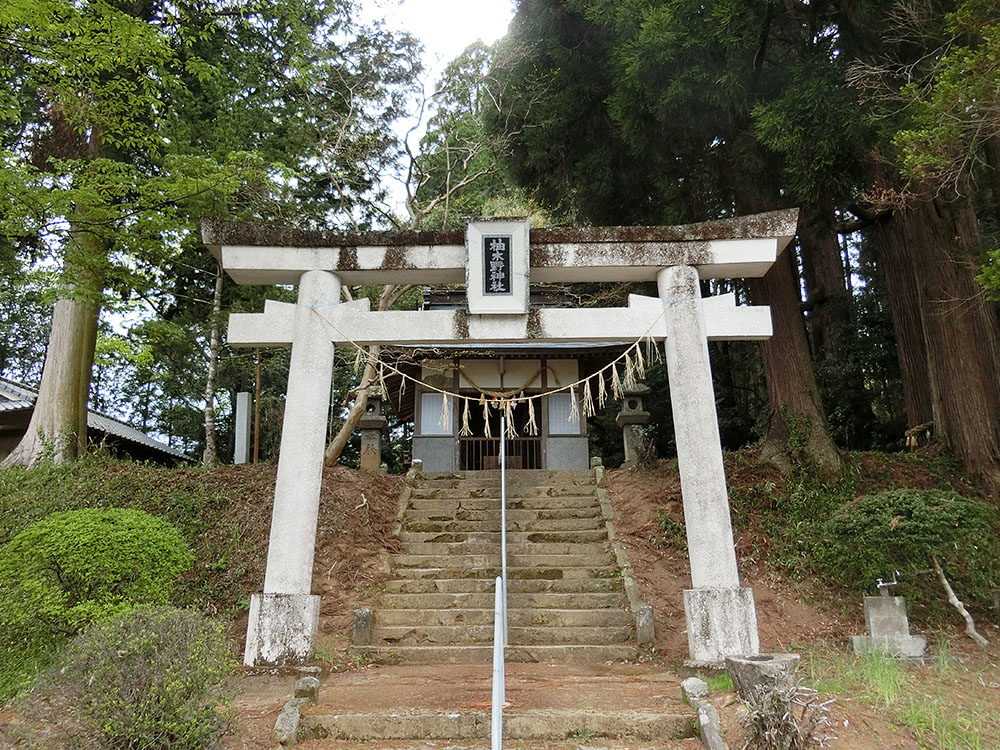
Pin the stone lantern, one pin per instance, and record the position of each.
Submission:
(632, 419)
(372, 423)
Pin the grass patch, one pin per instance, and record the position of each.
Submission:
(941, 705)
(720, 682)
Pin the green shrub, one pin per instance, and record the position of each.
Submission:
(73, 568)
(906, 529)
(153, 678)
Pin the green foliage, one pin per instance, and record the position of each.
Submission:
(673, 532)
(952, 97)
(76, 567)
(906, 529)
(152, 678)
(989, 275)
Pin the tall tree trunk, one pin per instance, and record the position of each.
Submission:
(827, 294)
(960, 332)
(210, 456)
(894, 240)
(58, 426)
(797, 428)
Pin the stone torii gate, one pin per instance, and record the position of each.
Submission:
(496, 259)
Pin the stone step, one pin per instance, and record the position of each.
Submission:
(527, 635)
(566, 618)
(570, 654)
(514, 476)
(514, 585)
(577, 536)
(478, 562)
(484, 600)
(514, 526)
(538, 725)
(454, 507)
(517, 518)
(515, 548)
(493, 493)
(601, 571)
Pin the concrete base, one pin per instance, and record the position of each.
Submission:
(905, 646)
(282, 629)
(720, 623)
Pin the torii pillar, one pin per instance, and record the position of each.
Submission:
(720, 615)
(285, 617)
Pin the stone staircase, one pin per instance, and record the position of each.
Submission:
(566, 597)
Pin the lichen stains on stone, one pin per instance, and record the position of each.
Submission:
(652, 254)
(772, 224)
(348, 259)
(395, 257)
(221, 232)
(534, 329)
(460, 325)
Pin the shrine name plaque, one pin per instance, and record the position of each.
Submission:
(498, 266)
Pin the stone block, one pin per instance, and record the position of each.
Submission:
(888, 629)
(282, 629)
(721, 622)
(308, 688)
(286, 727)
(885, 616)
(645, 631)
(710, 727)
(693, 688)
(364, 626)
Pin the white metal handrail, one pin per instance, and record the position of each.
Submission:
(500, 606)
(503, 520)
(499, 682)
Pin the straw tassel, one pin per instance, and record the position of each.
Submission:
(486, 416)
(466, 430)
(532, 427)
(445, 412)
(574, 405)
(640, 363)
(508, 412)
(357, 359)
(616, 382)
(602, 393)
(588, 400)
(629, 379)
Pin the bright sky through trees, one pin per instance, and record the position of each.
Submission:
(446, 28)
